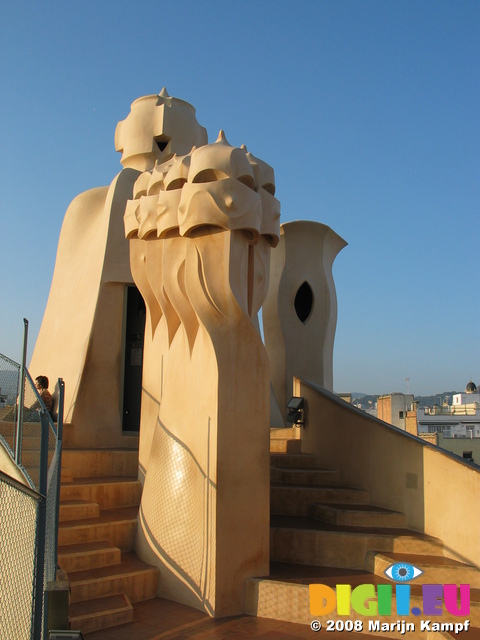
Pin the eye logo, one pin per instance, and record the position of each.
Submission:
(376, 600)
(402, 572)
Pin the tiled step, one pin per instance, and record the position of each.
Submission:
(133, 577)
(29, 443)
(285, 445)
(296, 499)
(88, 555)
(101, 613)
(303, 540)
(108, 492)
(66, 475)
(68, 434)
(30, 429)
(312, 477)
(31, 457)
(285, 596)
(101, 462)
(118, 526)
(473, 633)
(358, 515)
(295, 460)
(437, 569)
(128, 441)
(78, 510)
(7, 428)
(290, 601)
(287, 433)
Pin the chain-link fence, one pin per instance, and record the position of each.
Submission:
(34, 444)
(9, 392)
(18, 554)
(30, 430)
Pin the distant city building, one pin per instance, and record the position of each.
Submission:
(470, 396)
(461, 419)
(454, 427)
(393, 408)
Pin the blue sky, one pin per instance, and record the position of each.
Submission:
(368, 110)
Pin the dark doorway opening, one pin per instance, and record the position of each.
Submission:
(134, 338)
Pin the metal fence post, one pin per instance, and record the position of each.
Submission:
(61, 397)
(21, 396)
(41, 526)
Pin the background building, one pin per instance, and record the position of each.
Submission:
(454, 427)
(393, 408)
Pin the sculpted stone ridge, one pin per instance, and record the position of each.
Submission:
(157, 127)
(216, 185)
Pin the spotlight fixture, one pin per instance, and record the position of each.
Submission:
(295, 411)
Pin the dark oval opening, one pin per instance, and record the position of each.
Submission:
(304, 302)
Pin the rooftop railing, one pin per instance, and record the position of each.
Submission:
(29, 503)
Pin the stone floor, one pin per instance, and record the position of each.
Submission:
(162, 620)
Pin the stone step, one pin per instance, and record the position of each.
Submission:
(7, 428)
(473, 634)
(290, 601)
(117, 526)
(109, 492)
(30, 429)
(68, 435)
(31, 458)
(287, 433)
(303, 540)
(133, 577)
(29, 443)
(101, 613)
(295, 460)
(129, 442)
(78, 510)
(437, 569)
(358, 515)
(88, 555)
(66, 475)
(311, 477)
(296, 499)
(87, 463)
(285, 445)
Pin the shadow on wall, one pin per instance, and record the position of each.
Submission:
(178, 511)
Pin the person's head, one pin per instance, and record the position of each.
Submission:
(41, 382)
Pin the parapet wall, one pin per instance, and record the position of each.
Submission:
(438, 492)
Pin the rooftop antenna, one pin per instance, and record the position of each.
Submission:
(407, 380)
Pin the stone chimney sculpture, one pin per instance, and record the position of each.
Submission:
(194, 228)
(201, 227)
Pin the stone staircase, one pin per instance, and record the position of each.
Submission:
(99, 500)
(323, 532)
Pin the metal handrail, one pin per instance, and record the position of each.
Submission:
(46, 489)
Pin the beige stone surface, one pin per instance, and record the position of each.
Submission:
(301, 346)
(157, 127)
(201, 228)
(8, 466)
(81, 338)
